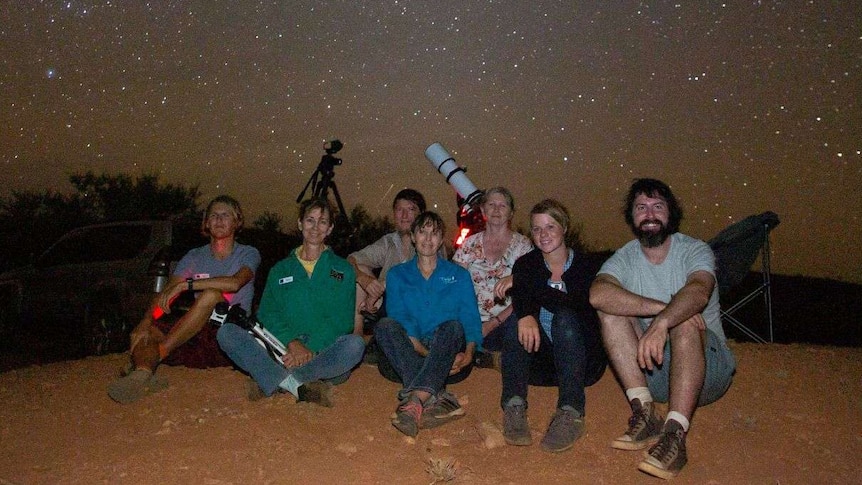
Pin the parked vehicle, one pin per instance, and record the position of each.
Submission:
(85, 293)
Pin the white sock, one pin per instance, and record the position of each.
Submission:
(291, 385)
(679, 418)
(640, 393)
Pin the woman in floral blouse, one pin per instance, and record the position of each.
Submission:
(489, 256)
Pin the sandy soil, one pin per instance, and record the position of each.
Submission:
(791, 416)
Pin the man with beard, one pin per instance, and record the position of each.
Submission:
(657, 300)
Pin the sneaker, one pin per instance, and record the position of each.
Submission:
(667, 457)
(408, 416)
(516, 430)
(644, 427)
(566, 427)
(127, 369)
(135, 385)
(318, 392)
(441, 409)
(488, 360)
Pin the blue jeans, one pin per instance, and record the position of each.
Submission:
(417, 373)
(574, 360)
(332, 363)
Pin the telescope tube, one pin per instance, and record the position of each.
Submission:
(455, 175)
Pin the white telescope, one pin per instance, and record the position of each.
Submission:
(455, 175)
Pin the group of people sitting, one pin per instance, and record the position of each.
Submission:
(541, 312)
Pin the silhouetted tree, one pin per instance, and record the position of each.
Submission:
(269, 221)
(368, 229)
(121, 198)
(32, 221)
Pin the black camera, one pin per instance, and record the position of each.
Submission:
(225, 313)
(332, 147)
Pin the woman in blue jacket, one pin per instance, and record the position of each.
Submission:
(432, 329)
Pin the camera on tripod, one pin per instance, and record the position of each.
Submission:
(332, 147)
(224, 313)
(321, 181)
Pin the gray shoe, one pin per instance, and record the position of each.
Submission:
(667, 457)
(441, 409)
(566, 427)
(253, 391)
(516, 430)
(135, 385)
(408, 416)
(318, 392)
(644, 427)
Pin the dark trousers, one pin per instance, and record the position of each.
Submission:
(572, 359)
(400, 363)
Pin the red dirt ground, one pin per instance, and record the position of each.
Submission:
(791, 416)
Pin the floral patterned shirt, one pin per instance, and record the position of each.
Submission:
(485, 274)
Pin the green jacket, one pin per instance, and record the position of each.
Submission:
(315, 310)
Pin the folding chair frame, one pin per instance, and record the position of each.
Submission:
(764, 289)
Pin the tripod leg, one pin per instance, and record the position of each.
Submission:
(338, 201)
(321, 189)
(312, 182)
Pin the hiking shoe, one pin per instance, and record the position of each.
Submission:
(135, 385)
(516, 430)
(488, 360)
(318, 392)
(127, 369)
(408, 416)
(566, 427)
(253, 391)
(441, 409)
(644, 427)
(667, 457)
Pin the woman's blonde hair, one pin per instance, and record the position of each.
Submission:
(556, 210)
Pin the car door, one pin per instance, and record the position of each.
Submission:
(106, 261)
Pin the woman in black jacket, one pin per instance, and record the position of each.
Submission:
(557, 339)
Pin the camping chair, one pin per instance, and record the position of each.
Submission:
(736, 248)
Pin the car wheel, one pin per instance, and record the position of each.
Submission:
(106, 328)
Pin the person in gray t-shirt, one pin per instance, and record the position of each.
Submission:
(223, 270)
(657, 300)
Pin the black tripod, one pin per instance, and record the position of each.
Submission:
(321, 180)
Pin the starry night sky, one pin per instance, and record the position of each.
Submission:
(741, 107)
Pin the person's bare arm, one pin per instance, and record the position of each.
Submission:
(607, 295)
(225, 284)
(462, 359)
(297, 354)
(373, 287)
(685, 306)
(528, 333)
(690, 300)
